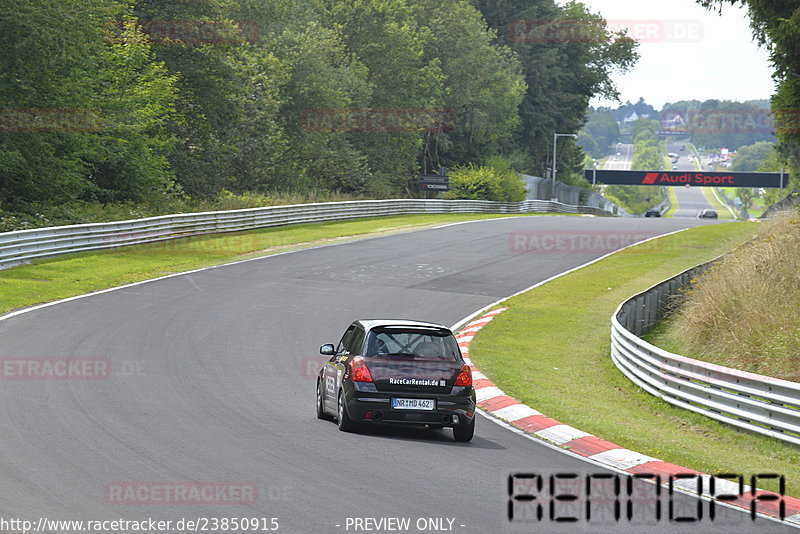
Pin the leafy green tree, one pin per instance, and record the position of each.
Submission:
(776, 25)
(483, 84)
(209, 52)
(750, 157)
(561, 73)
(317, 73)
(44, 65)
(388, 40)
(512, 188)
(599, 133)
(90, 65)
(128, 158)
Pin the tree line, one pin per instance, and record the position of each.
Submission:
(119, 101)
(776, 25)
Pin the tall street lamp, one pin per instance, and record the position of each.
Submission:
(555, 139)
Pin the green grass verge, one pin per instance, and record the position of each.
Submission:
(722, 210)
(673, 203)
(76, 274)
(758, 203)
(551, 350)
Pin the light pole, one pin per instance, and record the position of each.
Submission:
(594, 172)
(555, 140)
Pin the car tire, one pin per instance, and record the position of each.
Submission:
(321, 414)
(464, 433)
(345, 423)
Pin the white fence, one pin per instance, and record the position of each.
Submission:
(758, 403)
(25, 245)
(539, 188)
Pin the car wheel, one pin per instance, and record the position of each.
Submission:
(464, 433)
(345, 424)
(320, 408)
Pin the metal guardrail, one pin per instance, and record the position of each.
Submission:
(663, 206)
(792, 200)
(538, 188)
(762, 404)
(26, 245)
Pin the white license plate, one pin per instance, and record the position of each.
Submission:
(414, 404)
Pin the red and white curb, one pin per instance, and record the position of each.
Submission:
(495, 402)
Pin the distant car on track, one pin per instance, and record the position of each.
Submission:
(652, 212)
(397, 372)
(708, 214)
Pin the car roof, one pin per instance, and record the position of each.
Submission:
(369, 324)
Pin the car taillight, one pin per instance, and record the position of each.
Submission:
(464, 377)
(360, 371)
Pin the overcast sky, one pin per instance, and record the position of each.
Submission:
(688, 52)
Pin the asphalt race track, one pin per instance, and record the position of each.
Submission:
(623, 161)
(691, 200)
(212, 381)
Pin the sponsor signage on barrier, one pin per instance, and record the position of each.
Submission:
(434, 182)
(702, 179)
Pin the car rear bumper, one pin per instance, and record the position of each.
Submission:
(370, 407)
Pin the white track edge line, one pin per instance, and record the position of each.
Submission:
(714, 190)
(463, 321)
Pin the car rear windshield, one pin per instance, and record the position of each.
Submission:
(407, 342)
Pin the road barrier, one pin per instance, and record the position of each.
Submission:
(762, 404)
(26, 245)
(792, 200)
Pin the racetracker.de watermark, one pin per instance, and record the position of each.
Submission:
(563, 242)
(55, 368)
(550, 31)
(180, 493)
(377, 120)
(757, 121)
(192, 32)
(50, 120)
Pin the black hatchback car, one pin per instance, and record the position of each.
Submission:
(708, 214)
(397, 372)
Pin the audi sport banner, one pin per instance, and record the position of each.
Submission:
(694, 178)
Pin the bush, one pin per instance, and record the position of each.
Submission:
(511, 185)
(494, 181)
